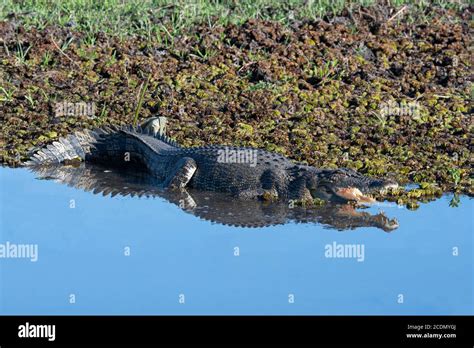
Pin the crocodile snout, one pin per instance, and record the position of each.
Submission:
(354, 194)
(388, 186)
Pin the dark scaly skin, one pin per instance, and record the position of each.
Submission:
(265, 175)
(212, 206)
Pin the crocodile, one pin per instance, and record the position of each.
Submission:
(214, 207)
(242, 172)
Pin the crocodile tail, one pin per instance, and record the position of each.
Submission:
(104, 144)
(74, 146)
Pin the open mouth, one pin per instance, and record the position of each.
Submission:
(354, 194)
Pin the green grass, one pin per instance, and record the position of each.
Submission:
(325, 71)
(164, 19)
(6, 94)
(21, 53)
(143, 89)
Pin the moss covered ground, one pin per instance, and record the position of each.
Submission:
(384, 88)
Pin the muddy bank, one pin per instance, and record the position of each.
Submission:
(385, 97)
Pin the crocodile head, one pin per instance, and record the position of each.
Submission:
(348, 185)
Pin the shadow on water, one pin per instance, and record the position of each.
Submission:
(211, 206)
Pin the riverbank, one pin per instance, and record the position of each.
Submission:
(384, 90)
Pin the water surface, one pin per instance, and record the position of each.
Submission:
(130, 255)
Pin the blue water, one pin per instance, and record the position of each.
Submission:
(82, 267)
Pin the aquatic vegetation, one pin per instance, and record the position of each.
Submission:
(387, 99)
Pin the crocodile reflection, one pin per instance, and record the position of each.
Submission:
(212, 206)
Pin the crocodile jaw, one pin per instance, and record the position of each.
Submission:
(354, 194)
